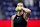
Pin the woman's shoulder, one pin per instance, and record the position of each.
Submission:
(13, 16)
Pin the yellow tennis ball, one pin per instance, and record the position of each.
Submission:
(19, 8)
(16, 9)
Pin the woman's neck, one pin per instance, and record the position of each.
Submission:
(18, 14)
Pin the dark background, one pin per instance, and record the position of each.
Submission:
(7, 8)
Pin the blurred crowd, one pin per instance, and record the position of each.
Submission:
(7, 8)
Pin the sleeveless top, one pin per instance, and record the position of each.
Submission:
(19, 21)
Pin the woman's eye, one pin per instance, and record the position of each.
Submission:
(21, 5)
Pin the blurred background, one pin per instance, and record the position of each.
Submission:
(7, 8)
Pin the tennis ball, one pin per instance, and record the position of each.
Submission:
(19, 8)
(16, 9)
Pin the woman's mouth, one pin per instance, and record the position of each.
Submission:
(20, 11)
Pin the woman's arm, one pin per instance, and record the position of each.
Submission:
(27, 14)
(12, 20)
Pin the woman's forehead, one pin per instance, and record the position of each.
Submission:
(19, 4)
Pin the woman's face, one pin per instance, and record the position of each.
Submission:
(20, 5)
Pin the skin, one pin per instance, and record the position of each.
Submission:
(26, 15)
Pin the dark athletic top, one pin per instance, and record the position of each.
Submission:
(19, 21)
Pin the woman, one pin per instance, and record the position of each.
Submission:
(20, 20)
